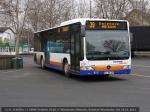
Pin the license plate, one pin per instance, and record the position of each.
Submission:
(109, 72)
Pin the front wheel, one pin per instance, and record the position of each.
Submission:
(66, 69)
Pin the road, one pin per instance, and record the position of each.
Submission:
(33, 86)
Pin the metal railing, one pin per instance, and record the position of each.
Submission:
(7, 51)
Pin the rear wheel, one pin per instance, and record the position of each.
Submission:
(35, 60)
(66, 69)
(42, 63)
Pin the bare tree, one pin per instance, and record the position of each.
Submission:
(83, 8)
(5, 12)
(112, 9)
(34, 13)
(142, 5)
(15, 12)
(48, 13)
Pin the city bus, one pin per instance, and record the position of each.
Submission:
(85, 47)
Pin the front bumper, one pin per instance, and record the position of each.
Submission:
(98, 72)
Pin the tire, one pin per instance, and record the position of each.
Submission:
(66, 69)
(35, 60)
(106, 76)
(42, 63)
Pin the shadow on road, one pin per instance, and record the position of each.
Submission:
(29, 64)
(97, 79)
(86, 78)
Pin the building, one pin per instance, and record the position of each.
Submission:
(7, 41)
(7, 35)
(138, 18)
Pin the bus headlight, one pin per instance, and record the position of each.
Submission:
(127, 67)
(87, 68)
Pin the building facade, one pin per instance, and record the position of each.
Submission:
(138, 18)
(7, 41)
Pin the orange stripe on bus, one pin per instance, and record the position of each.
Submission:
(118, 67)
(105, 67)
(81, 68)
(56, 63)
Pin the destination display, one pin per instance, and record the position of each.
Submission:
(63, 29)
(106, 25)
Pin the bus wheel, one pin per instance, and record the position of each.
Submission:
(42, 63)
(66, 69)
(106, 76)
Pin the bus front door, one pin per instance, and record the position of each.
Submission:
(75, 51)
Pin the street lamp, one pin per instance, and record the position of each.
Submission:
(90, 9)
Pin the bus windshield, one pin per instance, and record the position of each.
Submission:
(107, 44)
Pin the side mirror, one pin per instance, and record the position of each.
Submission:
(82, 31)
(131, 37)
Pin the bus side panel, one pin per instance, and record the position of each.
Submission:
(56, 60)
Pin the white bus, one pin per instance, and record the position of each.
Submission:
(85, 47)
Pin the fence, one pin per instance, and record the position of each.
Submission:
(7, 51)
(6, 62)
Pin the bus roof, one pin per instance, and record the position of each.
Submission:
(81, 20)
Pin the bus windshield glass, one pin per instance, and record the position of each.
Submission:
(107, 44)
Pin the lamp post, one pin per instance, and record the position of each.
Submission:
(90, 9)
(142, 11)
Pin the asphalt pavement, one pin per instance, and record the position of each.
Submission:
(33, 86)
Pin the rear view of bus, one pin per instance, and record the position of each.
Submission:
(106, 48)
